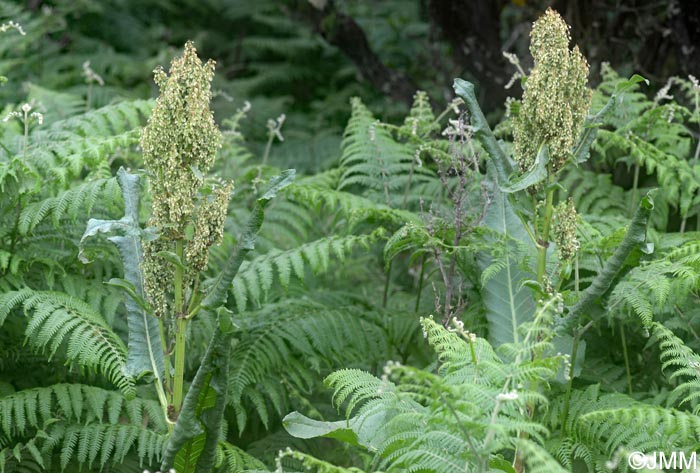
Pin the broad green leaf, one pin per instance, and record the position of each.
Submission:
(483, 132)
(536, 174)
(501, 464)
(145, 353)
(172, 258)
(302, 427)
(635, 236)
(362, 430)
(192, 445)
(508, 302)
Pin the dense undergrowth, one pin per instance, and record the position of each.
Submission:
(430, 295)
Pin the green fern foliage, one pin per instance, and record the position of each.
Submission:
(256, 277)
(72, 424)
(375, 161)
(57, 320)
(415, 419)
(291, 341)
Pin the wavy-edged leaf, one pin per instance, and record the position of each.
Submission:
(145, 349)
(636, 234)
(482, 131)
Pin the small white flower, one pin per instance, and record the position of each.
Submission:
(11, 25)
(455, 105)
(26, 108)
(416, 158)
(275, 126)
(511, 396)
(90, 75)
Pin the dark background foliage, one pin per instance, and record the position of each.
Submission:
(306, 59)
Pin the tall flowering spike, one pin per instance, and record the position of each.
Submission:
(181, 139)
(556, 97)
(179, 146)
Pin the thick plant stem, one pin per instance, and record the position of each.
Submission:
(180, 333)
(165, 391)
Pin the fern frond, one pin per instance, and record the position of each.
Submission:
(69, 145)
(284, 344)
(83, 424)
(71, 203)
(684, 363)
(537, 458)
(256, 278)
(57, 319)
(232, 459)
(374, 160)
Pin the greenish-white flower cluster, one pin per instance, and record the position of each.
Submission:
(565, 230)
(179, 145)
(556, 98)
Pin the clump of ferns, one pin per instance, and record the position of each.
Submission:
(421, 132)
(476, 407)
(689, 110)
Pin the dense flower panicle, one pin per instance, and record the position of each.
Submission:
(556, 98)
(565, 230)
(181, 139)
(179, 145)
(209, 229)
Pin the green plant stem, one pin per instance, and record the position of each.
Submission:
(576, 276)
(167, 378)
(408, 184)
(163, 387)
(386, 284)
(26, 137)
(180, 333)
(268, 146)
(627, 359)
(420, 282)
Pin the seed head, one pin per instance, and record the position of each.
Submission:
(565, 230)
(209, 229)
(181, 139)
(556, 98)
(179, 146)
